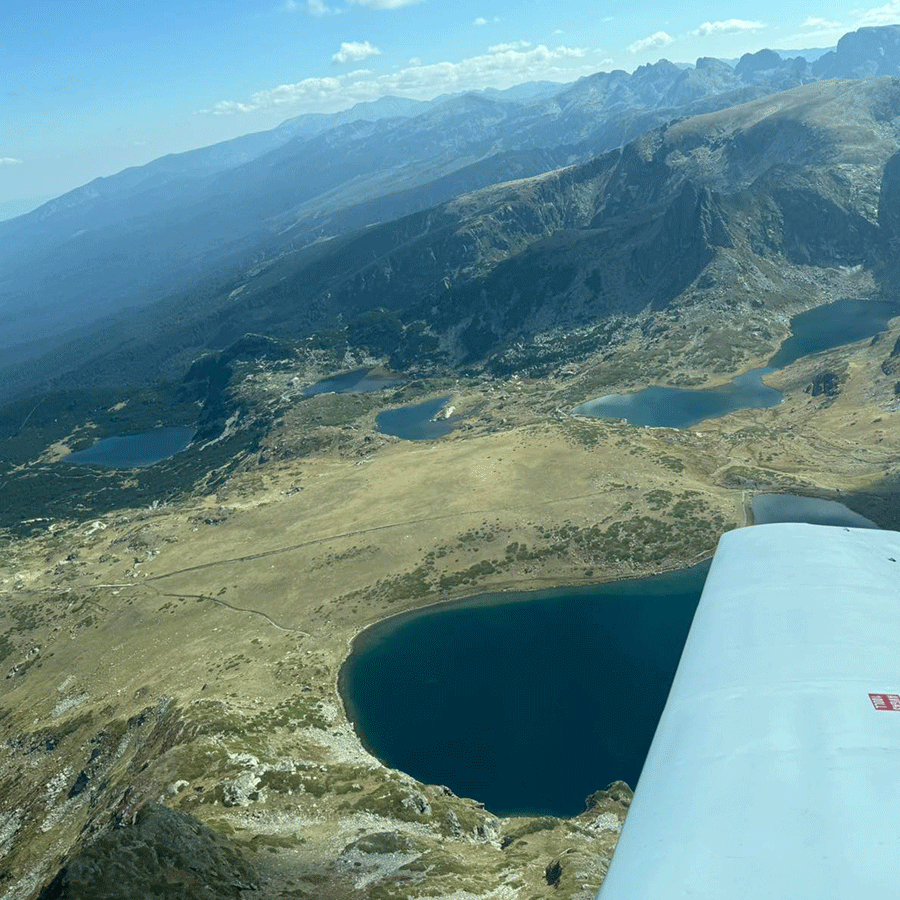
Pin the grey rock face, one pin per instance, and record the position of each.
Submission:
(453, 824)
(752, 63)
(826, 384)
(862, 54)
(163, 853)
(417, 803)
(241, 791)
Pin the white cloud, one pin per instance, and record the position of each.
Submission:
(421, 82)
(514, 45)
(313, 7)
(889, 14)
(658, 39)
(385, 4)
(312, 91)
(482, 21)
(571, 51)
(817, 29)
(815, 24)
(727, 26)
(415, 61)
(9, 161)
(354, 51)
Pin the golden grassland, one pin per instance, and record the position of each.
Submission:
(189, 654)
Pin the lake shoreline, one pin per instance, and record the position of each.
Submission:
(356, 642)
(818, 330)
(367, 635)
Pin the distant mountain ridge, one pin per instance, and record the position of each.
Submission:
(710, 229)
(128, 241)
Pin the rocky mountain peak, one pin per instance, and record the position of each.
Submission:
(760, 61)
(862, 54)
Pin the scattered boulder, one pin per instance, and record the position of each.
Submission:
(825, 383)
(488, 830)
(417, 803)
(242, 791)
(453, 824)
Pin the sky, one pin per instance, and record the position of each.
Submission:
(90, 87)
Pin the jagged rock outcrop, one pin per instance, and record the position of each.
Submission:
(827, 384)
(892, 364)
(864, 53)
(162, 853)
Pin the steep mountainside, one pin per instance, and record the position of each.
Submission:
(125, 241)
(719, 215)
(862, 54)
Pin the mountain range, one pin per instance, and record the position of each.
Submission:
(615, 193)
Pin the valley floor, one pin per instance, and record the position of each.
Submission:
(188, 655)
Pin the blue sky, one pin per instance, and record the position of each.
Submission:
(90, 87)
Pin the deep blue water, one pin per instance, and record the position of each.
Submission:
(768, 508)
(527, 702)
(833, 325)
(817, 329)
(134, 451)
(415, 423)
(359, 381)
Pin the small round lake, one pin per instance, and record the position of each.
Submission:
(416, 422)
(135, 451)
(359, 381)
(527, 702)
(822, 328)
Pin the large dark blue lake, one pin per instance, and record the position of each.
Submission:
(135, 451)
(813, 331)
(527, 702)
